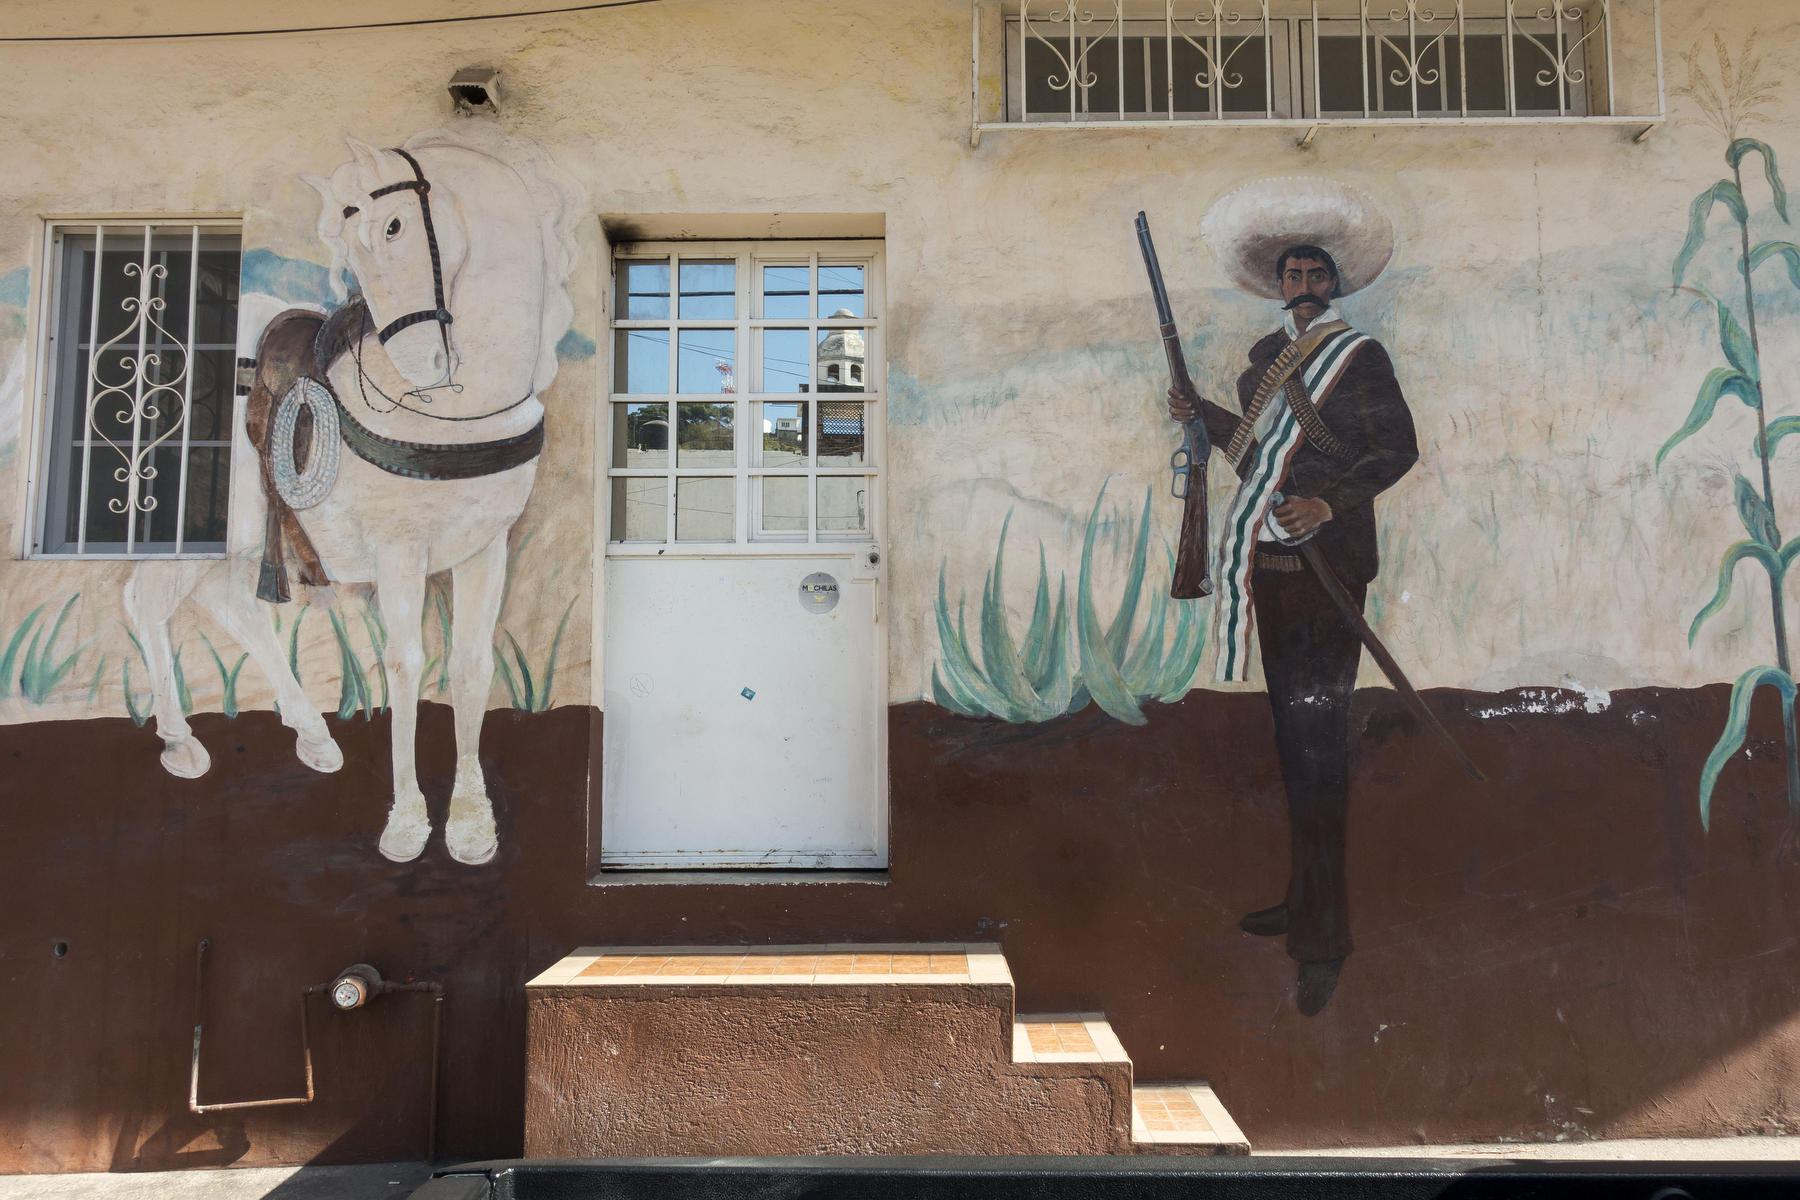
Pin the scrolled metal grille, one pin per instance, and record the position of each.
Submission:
(136, 347)
(1244, 61)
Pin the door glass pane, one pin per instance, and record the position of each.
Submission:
(783, 502)
(843, 360)
(785, 359)
(640, 509)
(642, 360)
(787, 292)
(640, 435)
(709, 288)
(644, 291)
(841, 292)
(708, 363)
(704, 509)
(705, 436)
(783, 434)
(843, 505)
(841, 440)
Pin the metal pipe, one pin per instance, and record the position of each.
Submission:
(194, 1104)
(380, 988)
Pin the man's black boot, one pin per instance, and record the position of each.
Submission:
(1266, 922)
(1317, 981)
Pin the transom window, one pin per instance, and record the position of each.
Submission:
(745, 383)
(141, 347)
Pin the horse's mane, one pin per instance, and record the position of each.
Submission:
(556, 197)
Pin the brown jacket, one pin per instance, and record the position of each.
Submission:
(1368, 414)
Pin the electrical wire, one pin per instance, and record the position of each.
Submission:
(225, 33)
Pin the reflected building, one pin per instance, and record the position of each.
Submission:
(843, 358)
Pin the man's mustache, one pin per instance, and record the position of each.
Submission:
(1306, 298)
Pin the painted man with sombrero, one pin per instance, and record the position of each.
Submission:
(1323, 429)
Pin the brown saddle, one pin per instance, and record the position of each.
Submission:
(297, 344)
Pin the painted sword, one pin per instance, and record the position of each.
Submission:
(1309, 551)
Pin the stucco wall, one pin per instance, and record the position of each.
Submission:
(1537, 546)
(1527, 306)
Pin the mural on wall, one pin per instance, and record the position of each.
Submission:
(1310, 466)
(1323, 428)
(1730, 94)
(392, 437)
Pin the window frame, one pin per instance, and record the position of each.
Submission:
(46, 415)
(749, 256)
(996, 72)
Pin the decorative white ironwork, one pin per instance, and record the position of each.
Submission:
(1563, 68)
(1412, 58)
(124, 389)
(141, 391)
(1214, 76)
(1323, 61)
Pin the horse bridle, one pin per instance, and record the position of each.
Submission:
(420, 187)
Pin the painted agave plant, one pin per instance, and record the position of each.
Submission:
(1729, 99)
(1064, 663)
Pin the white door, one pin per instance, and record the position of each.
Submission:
(744, 677)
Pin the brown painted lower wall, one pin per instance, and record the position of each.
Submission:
(1559, 953)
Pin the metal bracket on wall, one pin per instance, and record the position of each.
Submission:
(350, 990)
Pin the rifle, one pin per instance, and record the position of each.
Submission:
(1192, 557)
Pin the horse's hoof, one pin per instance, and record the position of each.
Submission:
(408, 828)
(321, 754)
(186, 759)
(469, 833)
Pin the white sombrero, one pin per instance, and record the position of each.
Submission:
(1248, 226)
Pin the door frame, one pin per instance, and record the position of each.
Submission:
(871, 248)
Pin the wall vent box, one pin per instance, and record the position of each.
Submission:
(476, 89)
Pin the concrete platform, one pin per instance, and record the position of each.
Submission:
(379, 1181)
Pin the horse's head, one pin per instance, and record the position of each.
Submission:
(379, 218)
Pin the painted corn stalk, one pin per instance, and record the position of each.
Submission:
(1066, 660)
(1729, 99)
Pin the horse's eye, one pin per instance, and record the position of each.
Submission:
(393, 229)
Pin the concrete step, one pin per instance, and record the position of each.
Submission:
(828, 1049)
(1182, 1118)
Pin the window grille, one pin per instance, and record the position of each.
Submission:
(723, 439)
(141, 348)
(1317, 62)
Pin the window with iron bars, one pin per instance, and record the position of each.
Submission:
(1323, 61)
(141, 345)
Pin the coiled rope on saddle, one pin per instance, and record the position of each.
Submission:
(289, 392)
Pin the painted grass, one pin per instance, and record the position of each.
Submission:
(529, 692)
(41, 665)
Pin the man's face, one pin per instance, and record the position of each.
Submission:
(1309, 281)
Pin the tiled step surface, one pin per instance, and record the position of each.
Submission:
(1182, 1118)
(1069, 1037)
(823, 964)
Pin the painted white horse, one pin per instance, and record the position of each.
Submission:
(462, 250)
